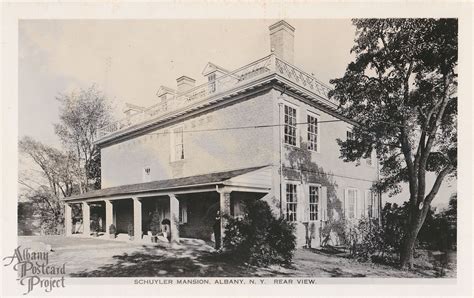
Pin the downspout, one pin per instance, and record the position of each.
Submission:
(281, 159)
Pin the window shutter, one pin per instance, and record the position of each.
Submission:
(324, 203)
(172, 149)
(376, 205)
(346, 203)
(366, 203)
(301, 214)
(356, 203)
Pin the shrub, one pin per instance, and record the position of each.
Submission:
(365, 239)
(259, 238)
(112, 229)
(333, 228)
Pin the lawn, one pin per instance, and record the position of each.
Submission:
(88, 257)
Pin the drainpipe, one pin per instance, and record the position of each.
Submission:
(280, 143)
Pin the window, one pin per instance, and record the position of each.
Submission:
(290, 126)
(211, 78)
(177, 144)
(313, 202)
(350, 135)
(312, 133)
(183, 212)
(351, 203)
(291, 201)
(146, 174)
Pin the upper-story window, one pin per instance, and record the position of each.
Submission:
(313, 202)
(177, 144)
(312, 133)
(291, 201)
(290, 125)
(350, 135)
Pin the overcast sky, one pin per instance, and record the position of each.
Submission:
(129, 60)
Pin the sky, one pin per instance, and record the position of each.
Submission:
(130, 59)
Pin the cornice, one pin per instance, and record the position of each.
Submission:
(272, 80)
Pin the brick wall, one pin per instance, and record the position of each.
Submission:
(205, 152)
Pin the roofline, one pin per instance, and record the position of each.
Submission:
(142, 192)
(166, 189)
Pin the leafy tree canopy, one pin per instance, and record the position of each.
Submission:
(401, 89)
(81, 115)
(401, 92)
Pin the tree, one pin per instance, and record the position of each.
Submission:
(81, 115)
(59, 175)
(401, 93)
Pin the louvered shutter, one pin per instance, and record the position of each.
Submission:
(324, 203)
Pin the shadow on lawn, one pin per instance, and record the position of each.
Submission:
(181, 262)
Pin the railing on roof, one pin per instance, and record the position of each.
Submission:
(267, 65)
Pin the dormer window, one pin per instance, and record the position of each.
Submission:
(212, 72)
(212, 82)
(211, 77)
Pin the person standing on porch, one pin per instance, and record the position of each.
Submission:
(217, 230)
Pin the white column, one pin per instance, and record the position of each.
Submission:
(86, 219)
(67, 219)
(137, 219)
(174, 218)
(224, 201)
(109, 215)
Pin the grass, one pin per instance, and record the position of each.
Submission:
(88, 257)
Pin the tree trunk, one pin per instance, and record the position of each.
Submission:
(406, 254)
(411, 234)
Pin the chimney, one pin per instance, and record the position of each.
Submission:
(185, 83)
(282, 39)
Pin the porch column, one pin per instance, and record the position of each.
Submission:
(109, 215)
(174, 218)
(224, 211)
(137, 219)
(68, 219)
(86, 219)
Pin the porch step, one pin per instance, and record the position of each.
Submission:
(122, 237)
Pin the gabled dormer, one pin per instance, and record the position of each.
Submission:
(213, 72)
(165, 93)
(131, 109)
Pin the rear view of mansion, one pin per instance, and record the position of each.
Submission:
(266, 131)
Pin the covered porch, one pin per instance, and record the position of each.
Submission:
(190, 207)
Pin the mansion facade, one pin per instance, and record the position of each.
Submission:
(265, 131)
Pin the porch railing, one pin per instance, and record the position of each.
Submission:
(200, 94)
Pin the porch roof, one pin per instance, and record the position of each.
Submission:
(161, 185)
